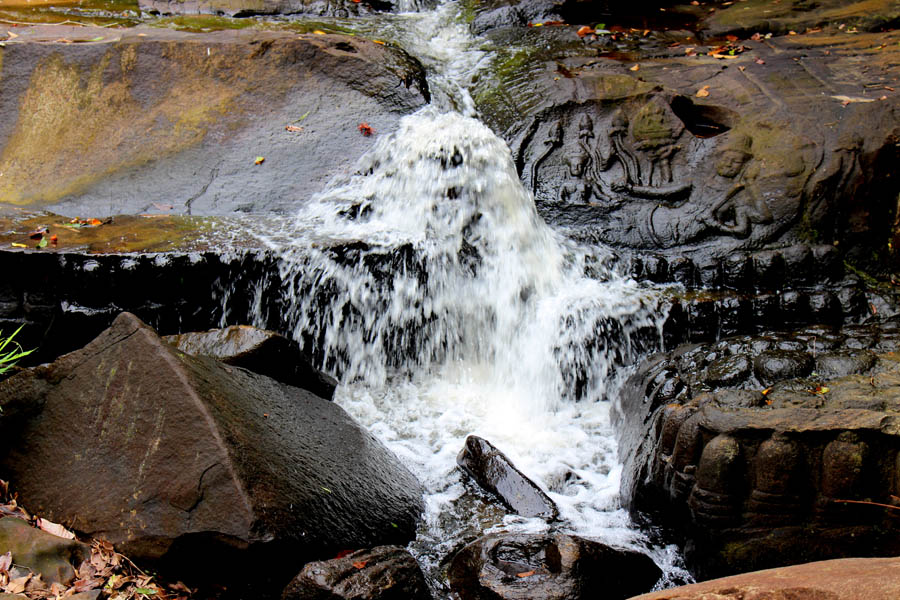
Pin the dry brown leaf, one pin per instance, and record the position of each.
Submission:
(703, 92)
(55, 529)
(5, 562)
(12, 35)
(17, 585)
(293, 128)
(760, 61)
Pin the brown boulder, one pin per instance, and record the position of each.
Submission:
(382, 573)
(182, 458)
(843, 579)
(54, 558)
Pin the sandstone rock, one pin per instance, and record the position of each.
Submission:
(186, 460)
(494, 472)
(244, 8)
(550, 567)
(752, 470)
(382, 573)
(260, 351)
(844, 579)
(632, 149)
(152, 115)
(53, 557)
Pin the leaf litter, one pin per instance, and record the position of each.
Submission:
(106, 570)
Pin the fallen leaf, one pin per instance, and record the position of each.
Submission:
(97, 39)
(742, 69)
(703, 92)
(54, 240)
(151, 591)
(379, 42)
(365, 129)
(756, 37)
(525, 574)
(883, 98)
(319, 32)
(760, 61)
(5, 562)
(12, 35)
(259, 160)
(792, 32)
(766, 391)
(360, 564)
(731, 38)
(39, 233)
(845, 100)
(17, 585)
(62, 41)
(55, 528)
(890, 89)
(634, 68)
(821, 389)
(585, 30)
(695, 3)
(293, 128)
(95, 222)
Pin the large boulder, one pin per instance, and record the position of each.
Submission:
(155, 120)
(764, 451)
(260, 351)
(382, 573)
(178, 458)
(550, 567)
(844, 579)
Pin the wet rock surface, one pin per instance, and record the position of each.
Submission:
(657, 143)
(844, 579)
(245, 8)
(550, 567)
(54, 558)
(154, 120)
(382, 573)
(260, 351)
(495, 473)
(751, 447)
(188, 462)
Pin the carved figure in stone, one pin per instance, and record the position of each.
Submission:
(618, 128)
(552, 142)
(655, 133)
(741, 206)
(576, 190)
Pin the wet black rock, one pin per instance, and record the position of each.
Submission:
(745, 449)
(494, 472)
(549, 567)
(382, 573)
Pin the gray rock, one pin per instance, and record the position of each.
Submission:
(52, 557)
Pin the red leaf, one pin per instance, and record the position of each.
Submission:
(360, 564)
(365, 129)
(585, 30)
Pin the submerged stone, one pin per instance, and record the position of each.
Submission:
(494, 472)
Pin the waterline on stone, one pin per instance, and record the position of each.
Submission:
(429, 284)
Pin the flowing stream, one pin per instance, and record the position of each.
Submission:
(427, 281)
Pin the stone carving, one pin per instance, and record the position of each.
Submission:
(742, 447)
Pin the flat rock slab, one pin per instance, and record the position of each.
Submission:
(844, 579)
(180, 458)
(102, 121)
(51, 556)
(243, 8)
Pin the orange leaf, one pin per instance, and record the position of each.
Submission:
(365, 129)
(634, 68)
(584, 30)
(703, 92)
(95, 222)
(525, 574)
(293, 128)
(360, 564)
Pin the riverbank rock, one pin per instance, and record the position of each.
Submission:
(655, 143)
(246, 8)
(495, 473)
(764, 451)
(155, 120)
(550, 567)
(260, 351)
(844, 579)
(54, 558)
(382, 573)
(188, 462)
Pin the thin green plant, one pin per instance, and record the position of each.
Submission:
(11, 351)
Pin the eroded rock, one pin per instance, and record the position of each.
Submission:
(494, 472)
(753, 467)
(154, 120)
(185, 460)
(382, 573)
(550, 567)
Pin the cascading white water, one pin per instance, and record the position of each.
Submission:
(427, 281)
